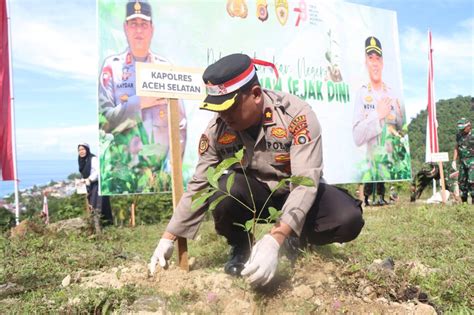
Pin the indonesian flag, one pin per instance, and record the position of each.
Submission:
(45, 211)
(432, 123)
(6, 149)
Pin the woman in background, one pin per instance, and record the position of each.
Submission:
(89, 169)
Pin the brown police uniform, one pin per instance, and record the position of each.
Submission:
(288, 142)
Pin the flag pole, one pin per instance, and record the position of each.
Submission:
(12, 113)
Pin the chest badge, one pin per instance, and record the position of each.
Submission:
(279, 132)
(227, 138)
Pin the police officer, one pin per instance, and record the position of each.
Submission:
(375, 104)
(464, 152)
(282, 137)
(118, 101)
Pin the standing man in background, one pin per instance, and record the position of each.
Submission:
(464, 153)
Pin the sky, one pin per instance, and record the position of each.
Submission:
(55, 66)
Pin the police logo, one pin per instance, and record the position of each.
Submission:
(203, 144)
(368, 99)
(125, 74)
(262, 11)
(279, 132)
(226, 138)
(281, 7)
(237, 8)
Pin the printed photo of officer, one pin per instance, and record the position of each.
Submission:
(378, 116)
(139, 125)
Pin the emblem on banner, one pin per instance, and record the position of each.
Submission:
(262, 11)
(203, 144)
(237, 8)
(281, 7)
(226, 138)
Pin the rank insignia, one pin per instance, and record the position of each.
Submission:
(267, 115)
(302, 137)
(281, 7)
(282, 158)
(227, 138)
(162, 114)
(368, 99)
(262, 11)
(203, 144)
(279, 132)
(297, 124)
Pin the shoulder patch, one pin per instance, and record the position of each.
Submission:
(297, 124)
(227, 138)
(106, 75)
(203, 144)
(302, 137)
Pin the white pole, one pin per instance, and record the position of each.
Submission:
(12, 110)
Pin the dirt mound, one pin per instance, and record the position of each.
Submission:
(313, 287)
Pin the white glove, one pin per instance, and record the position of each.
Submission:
(162, 253)
(263, 262)
(453, 164)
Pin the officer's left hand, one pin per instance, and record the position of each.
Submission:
(263, 262)
(88, 182)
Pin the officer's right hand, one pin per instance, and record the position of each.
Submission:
(384, 107)
(454, 166)
(162, 254)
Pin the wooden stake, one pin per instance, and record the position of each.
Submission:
(177, 173)
(441, 178)
(132, 215)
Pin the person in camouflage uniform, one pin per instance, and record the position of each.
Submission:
(464, 152)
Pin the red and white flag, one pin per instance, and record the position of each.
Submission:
(6, 146)
(432, 123)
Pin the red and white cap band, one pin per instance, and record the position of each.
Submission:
(232, 85)
(239, 81)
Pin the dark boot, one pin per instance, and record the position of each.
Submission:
(239, 254)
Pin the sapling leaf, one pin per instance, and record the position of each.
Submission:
(301, 180)
(239, 154)
(210, 176)
(249, 225)
(214, 204)
(200, 201)
(280, 184)
(274, 213)
(230, 182)
(223, 166)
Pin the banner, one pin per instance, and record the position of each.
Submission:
(343, 59)
(6, 149)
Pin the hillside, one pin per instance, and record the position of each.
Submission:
(448, 113)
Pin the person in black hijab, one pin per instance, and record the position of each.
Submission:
(89, 169)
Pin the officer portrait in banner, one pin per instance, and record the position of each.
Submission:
(379, 124)
(134, 137)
